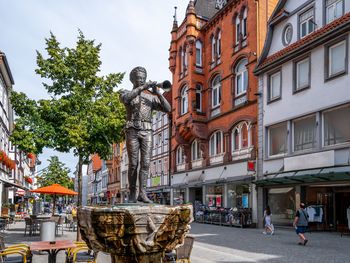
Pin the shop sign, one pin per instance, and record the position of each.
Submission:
(251, 166)
(156, 181)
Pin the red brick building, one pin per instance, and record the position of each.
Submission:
(213, 53)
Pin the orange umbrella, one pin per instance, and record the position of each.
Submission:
(55, 189)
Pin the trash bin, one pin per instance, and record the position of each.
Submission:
(47, 231)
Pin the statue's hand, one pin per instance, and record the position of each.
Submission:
(149, 84)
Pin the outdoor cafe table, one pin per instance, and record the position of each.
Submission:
(53, 249)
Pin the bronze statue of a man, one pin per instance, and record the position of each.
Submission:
(139, 104)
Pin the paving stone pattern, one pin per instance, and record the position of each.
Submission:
(227, 244)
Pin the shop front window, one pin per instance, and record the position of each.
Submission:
(238, 196)
(214, 196)
(282, 205)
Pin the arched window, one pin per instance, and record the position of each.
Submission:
(198, 97)
(213, 48)
(241, 77)
(238, 29)
(198, 53)
(195, 150)
(184, 100)
(218, 45)
(216, 144)
(241, 136)
(180, 157)
(216, 91)
(244, 23)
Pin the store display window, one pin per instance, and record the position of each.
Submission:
(214, 196)
(282, 205)
(238, 195)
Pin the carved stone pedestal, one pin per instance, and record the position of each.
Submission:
(135, 232)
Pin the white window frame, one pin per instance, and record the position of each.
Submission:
(195, 151)
(218, 45)
(216, 88)
(213, 151)
(269, 140)
(241, 74)
(199, 50)
(323, 128)
(244, 24)
(213, 49)
(308, 30)
(270, 76)
(238, 29)
(180, 155)
(333, 5)
(330, 74)
(314, 135)
(239, 128)
(184, 100)
(297, 64)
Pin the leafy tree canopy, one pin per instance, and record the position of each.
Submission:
(55, 173)
(84, 112)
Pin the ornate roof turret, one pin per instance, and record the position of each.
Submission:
(175, 26)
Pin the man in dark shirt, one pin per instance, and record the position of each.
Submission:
(139, 104)
(301, 223)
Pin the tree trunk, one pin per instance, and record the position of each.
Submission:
(80, 191)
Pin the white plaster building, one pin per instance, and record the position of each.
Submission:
(304, 109)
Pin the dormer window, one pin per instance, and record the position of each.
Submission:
(334, 9)
(306, 23)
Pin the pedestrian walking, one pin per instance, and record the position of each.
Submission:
(269, 228)
(301, 223)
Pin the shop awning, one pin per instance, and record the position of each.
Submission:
(329, 174)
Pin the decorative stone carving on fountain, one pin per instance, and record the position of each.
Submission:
(135, 233)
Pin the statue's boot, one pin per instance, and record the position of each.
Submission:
(143, 197)
(132, 196)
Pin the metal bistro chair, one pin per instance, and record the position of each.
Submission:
(19, 253)
(30, 226)
(81, 253)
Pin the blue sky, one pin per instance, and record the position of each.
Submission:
(132, 33)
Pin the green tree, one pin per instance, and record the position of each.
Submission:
(55, 173)
(83, 113)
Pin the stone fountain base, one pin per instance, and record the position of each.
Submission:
(135, 232)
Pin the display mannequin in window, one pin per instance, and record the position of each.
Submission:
(139, 104)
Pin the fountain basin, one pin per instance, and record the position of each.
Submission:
(135, 232)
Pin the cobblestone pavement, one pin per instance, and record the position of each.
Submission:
(226, 244)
